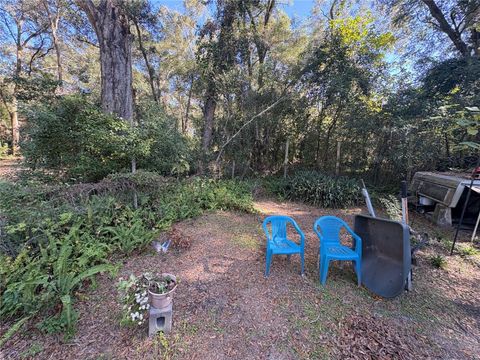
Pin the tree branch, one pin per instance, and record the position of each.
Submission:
(268, 108)
(455, 36)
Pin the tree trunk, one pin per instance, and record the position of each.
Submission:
(329, 133)
(113, 32)
(58, 57)
(337, 163)
(54, 20)
(14, 109)
(285, 161)
(187, 111)
(208, 115)
(15, 126)
(453, 34)
(150, 70)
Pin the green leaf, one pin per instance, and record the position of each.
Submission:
(471, 144)
(472, 131)
(90, 272)
(472, 108)
(15, 327)
(464, 122)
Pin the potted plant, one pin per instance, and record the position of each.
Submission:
(139, 293)
(161, 289)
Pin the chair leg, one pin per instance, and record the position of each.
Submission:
(267, 263)
(358, 270)
(320, 267)
(323, 278)
(302, 260)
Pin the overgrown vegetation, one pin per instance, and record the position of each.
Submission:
(90, 144)
(318, 189)
(392, 206)
(54, 239)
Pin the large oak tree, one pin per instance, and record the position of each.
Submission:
(111, 24)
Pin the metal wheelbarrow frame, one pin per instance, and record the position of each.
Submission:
(386, 255)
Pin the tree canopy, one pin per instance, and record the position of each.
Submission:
(376, 89)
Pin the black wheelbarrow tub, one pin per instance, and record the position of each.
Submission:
(386, 257)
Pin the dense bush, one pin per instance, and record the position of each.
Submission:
(54, 239)
(73, 135)
(318, 189)
(169, 152)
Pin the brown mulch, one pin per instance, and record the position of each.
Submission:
(369, 336)
(225, 309)
(179, 239)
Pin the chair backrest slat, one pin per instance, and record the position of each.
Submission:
(279, 229)
(329, 228)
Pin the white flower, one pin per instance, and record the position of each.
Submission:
(141, 317)
(139, 323)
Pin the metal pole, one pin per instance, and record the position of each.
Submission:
(404, 203)
(367, 200)
(464, 208)
(476, 227)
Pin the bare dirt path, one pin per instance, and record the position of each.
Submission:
(225, 309)
(9, 168)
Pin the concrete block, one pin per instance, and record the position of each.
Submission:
(160, 320)
(442, 215)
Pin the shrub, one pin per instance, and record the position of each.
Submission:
(468, 250)
(392, 207)
(169, 153)
(319, 189)
(438, 261)
(74, 136)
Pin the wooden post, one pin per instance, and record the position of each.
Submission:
(285, 162)
(337, 164)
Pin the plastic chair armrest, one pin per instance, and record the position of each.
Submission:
(300, 232)
(267, 233)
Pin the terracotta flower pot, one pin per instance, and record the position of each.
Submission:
(161, 301)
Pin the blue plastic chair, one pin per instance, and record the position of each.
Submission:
(277, 241)
(328, 230)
